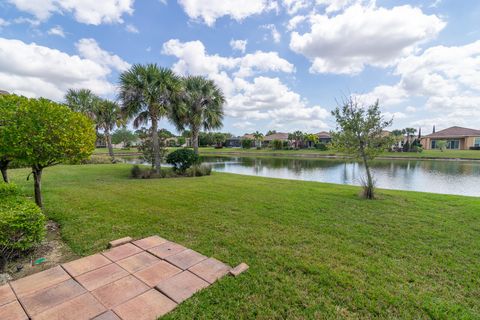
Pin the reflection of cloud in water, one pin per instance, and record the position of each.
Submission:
(450, 177)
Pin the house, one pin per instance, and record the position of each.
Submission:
(458, 138)
(280, 136)
(324, 137)
(233, 142)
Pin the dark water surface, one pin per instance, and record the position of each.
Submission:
(448, 177)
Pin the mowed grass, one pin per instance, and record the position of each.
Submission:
(316, 251)
(427, 154)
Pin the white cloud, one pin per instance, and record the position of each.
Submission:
(364, 35)
(336, 5)
(446, 78)
(209, 11)
(276, 36)
(131, 28)
(194, 59)
(85, 11)
(293, 6)
(89, 49)
(386, 95)
(49, 72)
(4, 23)
(250, 94)
(295, 21)
(57, 31)
(240, 45)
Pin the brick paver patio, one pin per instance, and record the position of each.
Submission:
(135, 280)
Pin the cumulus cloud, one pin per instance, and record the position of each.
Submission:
(209, 11)
(446, 78)
(364, 35)
(89, 49)
(57, 31)
(49, 72)
(85, 11)
(251, 95)
(240, 45)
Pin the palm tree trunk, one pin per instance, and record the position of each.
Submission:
(37, 176)
(108, 138)
(156, 145)
(195, 133)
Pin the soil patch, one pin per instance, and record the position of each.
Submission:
(52, 252)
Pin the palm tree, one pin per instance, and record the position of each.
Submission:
(258, 136)
(202, 107)
(107, 116)
(147, 93)
(296, 137)
(83, 101)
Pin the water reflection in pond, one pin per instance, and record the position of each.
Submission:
(449, 177)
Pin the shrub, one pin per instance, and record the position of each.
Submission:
(247, 143)
(199, 171)
(182, 159)
(97, 159)
(277, 145)
(321, 146)
(8, 189)
(22, 226)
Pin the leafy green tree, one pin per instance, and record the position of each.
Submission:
(8, 135)
(258, 136)
(246, 143)
(124, 136)
(149, 93)
(203, 104)
(360, 133)
(48, 134)
(220, 139)
(311, 138)
(107, 117)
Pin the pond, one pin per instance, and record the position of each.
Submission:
(447, 177)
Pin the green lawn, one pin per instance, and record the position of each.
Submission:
(316, 251)
(453, 154)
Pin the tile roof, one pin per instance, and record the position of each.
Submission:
(323, 134)
(455, 132)
(276, 136)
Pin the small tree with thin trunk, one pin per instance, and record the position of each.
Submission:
(48, 134)
(360, 133)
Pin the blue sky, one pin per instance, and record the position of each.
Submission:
(287, 64)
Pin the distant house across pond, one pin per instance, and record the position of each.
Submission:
(458, 138)
(324, 137)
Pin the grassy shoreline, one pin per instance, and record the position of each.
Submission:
(471, 155)
(316, 250)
